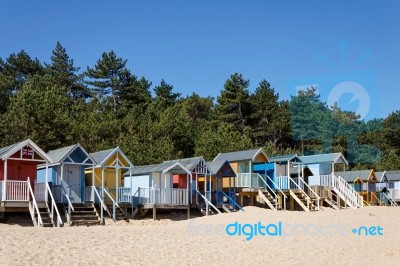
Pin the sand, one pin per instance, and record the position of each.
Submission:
(203, 241)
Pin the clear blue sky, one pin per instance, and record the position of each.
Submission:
(196, 45)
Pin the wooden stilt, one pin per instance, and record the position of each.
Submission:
(154, 213)
(188, 212)
(291, 203)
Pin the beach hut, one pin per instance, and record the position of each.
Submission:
(392, 179)
(250, 185)
(66, 176)
(223, 186)
(104, 181)
(19, 191)
(331, 188)
(66, 173)
(153, 187)
(382, 189)
(322, 165)
(364, 182)
(200, 184)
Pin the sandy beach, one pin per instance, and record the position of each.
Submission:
(322, 238)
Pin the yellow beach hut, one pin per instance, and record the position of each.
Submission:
(105, 183)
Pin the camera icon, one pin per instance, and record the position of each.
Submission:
(347, 94)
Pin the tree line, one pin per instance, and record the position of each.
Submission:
(105, 105)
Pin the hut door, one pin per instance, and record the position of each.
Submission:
(72, 177)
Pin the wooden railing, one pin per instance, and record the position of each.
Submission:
(349, 194)
(122, 194)
(33, 207)
(208, 203)
(276, 187)
(55, 215)
(248, 180)
(173, 196)
(232, 201)
(287, 183)
(15, 190)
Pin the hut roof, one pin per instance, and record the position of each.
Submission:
(350, 176)
(160, 168)
(324, 158)
(284, 158)
(236, 156)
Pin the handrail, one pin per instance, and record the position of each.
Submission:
(114, 204)
(98, 195)
(310, 189)
(276, 197)
(352, 190)
(349, 196)
(302, 191)
(392, 202)
(296, 185)
(40, 222)
(353, 196)
(233, 201)
(54, 206)
(276, 186)
(207, 201)
(70, 208)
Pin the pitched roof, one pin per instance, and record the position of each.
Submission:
(393, 175)
(236, 156)
(381, 176)
(99, 156)
(171, 167)
(5, 152)
(190, 163)
(350, 176)
(215, 166)
(323, 158)
(284, 158)
(59, 154)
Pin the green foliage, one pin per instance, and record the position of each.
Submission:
(270, 118)
(164, 95)
(234, 102)
(64, 74)
(224, 138)
(53, 106)
(110, 78)
(311, 121)
(41, 114)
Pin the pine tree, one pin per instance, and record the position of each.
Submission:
(110, 77)
(65, 74)
(164, 95)
(233, 103)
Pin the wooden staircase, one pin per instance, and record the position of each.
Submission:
(119, 213)
(302, 200)
(44, 215)
(332, 203)
(269, 200)
(84, 214)
(228, 208)
(141, 210)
